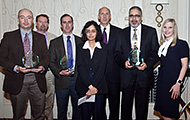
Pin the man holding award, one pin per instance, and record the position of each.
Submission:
(136, 54)
(24, 55)
(62, 64)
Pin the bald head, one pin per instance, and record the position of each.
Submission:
(25, 19)
(24, 9)
(104, 16)
(104, 8)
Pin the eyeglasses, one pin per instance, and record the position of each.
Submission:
(136, 16)
(92, 31)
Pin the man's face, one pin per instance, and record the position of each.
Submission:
(25, 19)
(135, 18)
(67, 25)
(104, 16)
(42, 24)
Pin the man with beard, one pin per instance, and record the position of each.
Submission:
(136, 79)
(110, 34)
(22, 83)
(42, 25)
(65, 74)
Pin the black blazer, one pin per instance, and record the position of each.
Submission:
(113, 69)
(57, 51)
(149, 48)
(11, 53)
(98, 67)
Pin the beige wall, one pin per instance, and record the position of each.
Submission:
(84, 10)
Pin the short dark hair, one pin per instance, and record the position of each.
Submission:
(135, 7)
(65, 16)
(43, 15)
(99, 35)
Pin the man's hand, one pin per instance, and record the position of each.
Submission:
(36, 70)
(66, 72)
(22, 69)
(142, 66)
(128, 65)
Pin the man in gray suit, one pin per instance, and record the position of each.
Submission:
(42, 25)
(65, 45)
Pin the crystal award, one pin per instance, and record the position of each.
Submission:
(67, 62)
(135, 57)
(30, 60)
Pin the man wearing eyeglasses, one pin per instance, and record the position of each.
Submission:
(136, 68)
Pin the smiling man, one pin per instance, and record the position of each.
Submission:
(42, 25)
(136, 79)
(22, 83)
(110, 38)
(65, 45)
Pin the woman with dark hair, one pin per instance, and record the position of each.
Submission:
(91, 67)
(173, 53)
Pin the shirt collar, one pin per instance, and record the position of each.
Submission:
(137, 28)
(86, 45)
(107, 27)
(23, 32)
(42, 33)
(65, 36)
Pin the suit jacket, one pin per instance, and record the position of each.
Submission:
(57, 51)
(149, 47)
(97, 65)
(11, 53)
(113, 69)
(50, 36)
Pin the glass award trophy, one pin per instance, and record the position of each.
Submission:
(30, 60)
(135, 57)
(67, 62)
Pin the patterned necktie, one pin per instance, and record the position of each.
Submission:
(105, 36)
(134, 39)
(26, 44)
(69, 52)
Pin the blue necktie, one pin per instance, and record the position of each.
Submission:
(69, 52)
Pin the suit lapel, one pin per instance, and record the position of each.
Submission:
(128, 36)
(19, 43)
(143, 37)
(61, 46)
(111, 35)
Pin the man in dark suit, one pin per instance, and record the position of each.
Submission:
(110, 34)
(136, 80)
(20, 82)
(65, 78)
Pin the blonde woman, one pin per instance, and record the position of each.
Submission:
(173, 53)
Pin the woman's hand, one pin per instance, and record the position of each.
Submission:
(92, 91)
(175, 89)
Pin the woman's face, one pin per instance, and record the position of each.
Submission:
(91, 33)
(168, 30)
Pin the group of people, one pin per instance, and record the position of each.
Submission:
(98, 66)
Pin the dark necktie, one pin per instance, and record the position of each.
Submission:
(26, 44)
(105, 36)
(69, 52)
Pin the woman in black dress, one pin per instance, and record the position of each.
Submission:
(91, 67)
(173, 54)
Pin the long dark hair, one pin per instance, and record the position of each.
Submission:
(99, 35)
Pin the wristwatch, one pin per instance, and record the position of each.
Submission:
(179, 81)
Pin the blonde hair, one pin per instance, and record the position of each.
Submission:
(162, 38)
